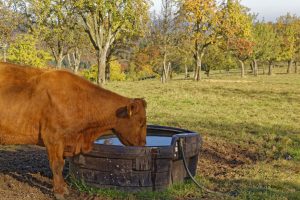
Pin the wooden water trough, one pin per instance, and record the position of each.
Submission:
(153, 167)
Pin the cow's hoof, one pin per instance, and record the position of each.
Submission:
(59, 196)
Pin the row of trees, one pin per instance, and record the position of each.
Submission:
(215, 36)
(122, 35)
(70, 28)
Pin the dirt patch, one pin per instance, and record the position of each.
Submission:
(25, 174)
(222, 160)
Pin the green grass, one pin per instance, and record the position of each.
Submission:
(255, 120)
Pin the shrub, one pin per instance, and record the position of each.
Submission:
(24, 51)
(116, 73)
(143, 72)
(90, 73)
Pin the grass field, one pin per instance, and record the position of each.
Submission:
(250, 127)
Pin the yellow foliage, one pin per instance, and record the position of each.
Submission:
(116, 73)
(24, 51)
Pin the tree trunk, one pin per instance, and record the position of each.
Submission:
(252, 67)
(296, 68)
(107, 72)
(165, 70)
(208, 73)
(207, 70)
(69, 61)
(76, 58)
(169, 71)
(263, 68)
(198, 69)
(198, 57)
(186, 71)
(59, 62)
(101, 61)
(290, 62)
(195, 70)
(242, 68)
(59, 58)
(255, 68)
(270, 68)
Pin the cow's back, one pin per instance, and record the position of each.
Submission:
(14, 74)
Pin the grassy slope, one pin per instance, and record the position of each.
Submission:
(251, 128)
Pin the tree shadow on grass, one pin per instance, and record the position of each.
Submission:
(253, 93)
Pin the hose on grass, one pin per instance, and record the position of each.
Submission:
(191, 176)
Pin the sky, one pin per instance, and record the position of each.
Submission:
(269, 10)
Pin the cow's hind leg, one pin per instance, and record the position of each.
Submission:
(56, 161)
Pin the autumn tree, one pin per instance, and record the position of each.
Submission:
(182, 54)
(267, 45)
(287, 29)
(52, 21)
(105, 21)
(236, 26)
(183, 46)
(201, 18)
(217, 59)
(78, 47)
(165, 30)
(58, 30)
(8, 25)
(24, 51)
(297, 53)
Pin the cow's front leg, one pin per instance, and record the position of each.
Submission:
(56, 161)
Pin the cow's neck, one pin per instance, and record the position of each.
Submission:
(107, 123)
(103, 115)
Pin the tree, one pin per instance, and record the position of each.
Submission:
(23, 51)
(53, 22)
(78, 47)
(202, 20)
(8, 24)
(105, 21)
(57, 31)
(166, 27)
(236, 26)
(183, 47)
(287, 29)
(267, 45)
(297, 53)
(217, 59)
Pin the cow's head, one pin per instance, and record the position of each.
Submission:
(131, 123)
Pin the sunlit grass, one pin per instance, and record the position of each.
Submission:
(263, 110)
(259, 114)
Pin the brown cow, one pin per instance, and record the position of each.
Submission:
(64, 113)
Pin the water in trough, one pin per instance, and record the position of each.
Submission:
(152, 141)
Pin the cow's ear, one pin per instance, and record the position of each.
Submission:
(132, 108)
(129, 110)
